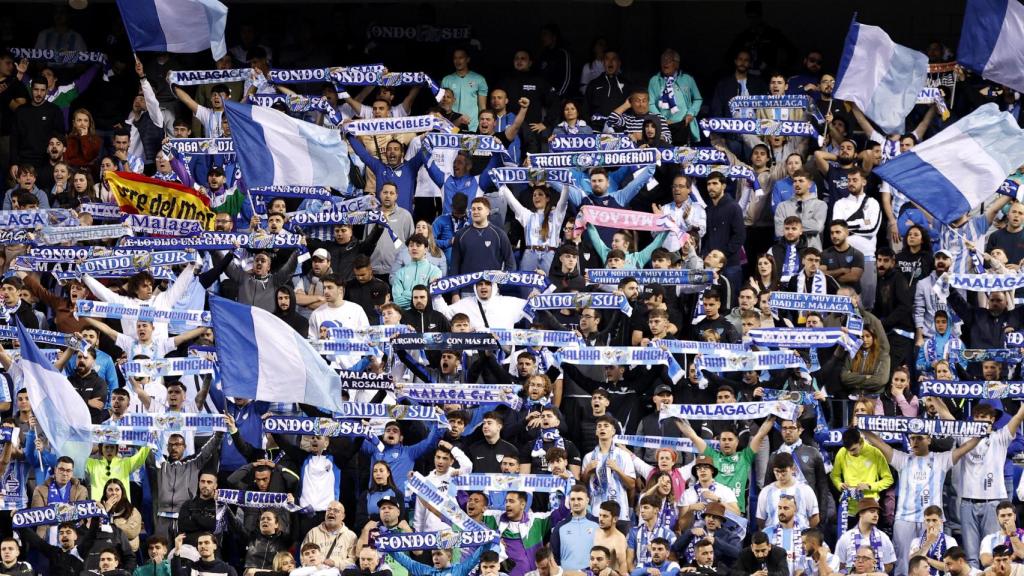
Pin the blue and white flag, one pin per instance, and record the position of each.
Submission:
(731, 411)
(178, 26)
(275, 149)
(298, 103)
(882, 77)
(62, 414)
(263, 359)
(991, 40)
(956, 170)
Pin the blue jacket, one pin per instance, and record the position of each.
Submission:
(445, 228)
(403, 175)
(249, 421)
(450, 185)
(401, 458)
(458, 569)
(571, 541)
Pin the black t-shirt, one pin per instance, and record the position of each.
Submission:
(487, 458)
(833, 259)
(10, 89)
(89, 387)
(539, 464)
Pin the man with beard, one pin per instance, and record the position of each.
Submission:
(65, 559)
(835, 169)
(926, 302)
(394, 169)
(421, 316)
(177, 479)
(55, 148)
(89, 385)
(785, 533)
(207, 564)
(658, 564)
(198, 516)
(32, 127)
(894, 305)
(863, 217)
(762, 558)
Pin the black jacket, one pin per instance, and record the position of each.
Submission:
(61, 563)
(342, 255)
(775, 563)
(606, 93)
(726, 231)
(291, 316)
(894, 302)
(197, 515)
(981, 328)
(727, 88)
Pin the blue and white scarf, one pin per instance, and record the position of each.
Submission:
(445, 341)
(825, 303)
(591, 142)
(259, 500)
(19, 219)
(537, 176)
(699, 347)
(747, 106)
(202, 146)
(468, 394)
(761, 127)
(444, 505)
(349, 77)
(505, 483)
(116, 311)
(358, 217)
(363, 411)
(9, 332)
(803, 338)
(376, 126)
(667, 100)
(977, 283)
(621, 356)
(52, 235)
(122, 436)
(11, 237)
(577, 301)
(670, 277)
(168, 367)
(929, 427)
(500, 277)
(443, 540)
(731, 411)
(791, 264)
(101, 211)
(200, 423)
(69, 254)
(64, 58)
(536, 338)
(750, 361)
(424, 33)
(587, 160)
(475, 144)
(213, 241)
(990, 389)
(161, 226)
(298, 103)
(58, 514)
(369, 335)
(687, 155)
(656, 442)
(139, 260)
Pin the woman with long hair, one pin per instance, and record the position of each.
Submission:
(382, 485)
(867, 372)
(915, 260)
(121, 512)
(541, 226)
(61, 180)
(83, 146)
(897, 399)
(764, 278)
(101, 188)
(82, 189)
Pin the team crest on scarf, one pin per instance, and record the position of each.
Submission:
(617, 355)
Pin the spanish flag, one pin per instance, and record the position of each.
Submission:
(137, 194)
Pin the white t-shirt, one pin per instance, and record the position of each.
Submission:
(443, 158)
(157, 348)
(614, 489)
(210, 119)
(846, 547)
(982, 468)
(920, 485)
(950, 542)
(991, 541)
(768, 503)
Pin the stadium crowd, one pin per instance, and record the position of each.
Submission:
(808, 495)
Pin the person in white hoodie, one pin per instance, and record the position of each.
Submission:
(425, 520)
(487, 309)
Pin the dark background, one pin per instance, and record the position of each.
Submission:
(334, 33)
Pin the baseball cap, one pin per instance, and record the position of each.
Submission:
(662, 389)
(218, 170)
(943, 252)
(388, 502)
(321, 254)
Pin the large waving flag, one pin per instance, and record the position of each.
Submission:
(958, 168)
(992, 41)
(59, 409)
(881, 76)
(261, 357)
(278, 150)
(175, 25)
